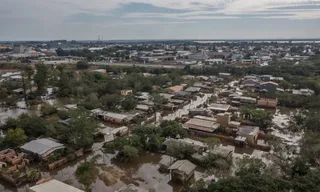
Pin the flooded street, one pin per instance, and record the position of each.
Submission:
(185, 110)
(142, 172)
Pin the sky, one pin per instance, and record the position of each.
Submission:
(158, 19)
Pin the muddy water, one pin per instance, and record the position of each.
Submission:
(143, 172)
(14, 113)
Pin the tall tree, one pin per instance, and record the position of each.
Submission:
(41, 78)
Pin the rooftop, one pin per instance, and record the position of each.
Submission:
(54, 186)
(115, 115)
(193, 89)
(203, 125)
(269, 82)
(42, 146)
(219, 107)
(184, 166)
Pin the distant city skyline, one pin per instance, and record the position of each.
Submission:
(159, 19)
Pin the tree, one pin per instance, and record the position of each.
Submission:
(127, 154)
(32, 125)
(64, 86)
(15, 138)
(41, 78)
(172, 129)
(81, 65)
(87, 173)
(254, 176)
(63, 114)
(110, 101)
(48, 110)
(129, 103)
(259, 117)
(82, 128)
(182, 151)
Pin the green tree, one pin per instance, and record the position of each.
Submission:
(32, 125)
(172, 129)
(87, 173)
(82, 128)
(15, 138)
(127, 154)
(41, 78)
(48, 110)
(110, 102)
(129, 103)
(82, 65)
(259, 117)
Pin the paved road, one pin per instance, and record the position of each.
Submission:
(172, 66)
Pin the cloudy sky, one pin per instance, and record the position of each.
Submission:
(158, 19)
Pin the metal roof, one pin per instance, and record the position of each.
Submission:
(184, 166)
(54, 186)
(41, 146)
(220, 107)
(193, 89)
(115, 115)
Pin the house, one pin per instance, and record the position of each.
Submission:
(219, 107)
(175, 89)
(225, 75)
(247, 134)
(165, 162)
(199, 111)
(305, 92)
(267, 103)
(193, 90)
(177, 102)
(42, 147)
(126, 92)
(141, 96)
(269, 86)
(224, 151)
(247, 100)
(166, 96)
(103, 71)
(224, 119)
(115, 117)
(53, 186)
(71, 106)
(201, 125)
(144, 108)
(182, 170)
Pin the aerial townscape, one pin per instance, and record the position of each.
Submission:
(160, 96)
(160, 115)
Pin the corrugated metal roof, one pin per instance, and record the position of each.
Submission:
(54, 186)
(41, 146)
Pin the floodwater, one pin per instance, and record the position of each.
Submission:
(143, 173)
(15, 112)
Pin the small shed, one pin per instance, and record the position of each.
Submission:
(182, 170)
